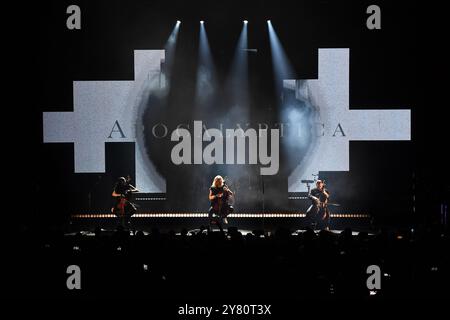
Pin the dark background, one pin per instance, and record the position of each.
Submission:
(401, 65)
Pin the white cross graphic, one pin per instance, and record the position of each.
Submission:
(97, 106)
(330, 96)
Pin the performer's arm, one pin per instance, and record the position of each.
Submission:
(114, 194)
(212, 196)
(326, 193)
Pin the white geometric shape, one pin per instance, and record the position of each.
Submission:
(329, 95)
(97, 105)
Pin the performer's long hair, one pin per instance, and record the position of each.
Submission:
(220, 181)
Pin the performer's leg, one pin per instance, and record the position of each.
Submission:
(130, 210)
(119, 217)
(219, 224)
(210, 218)
(225, 212)
(322, 219)
(326, 219)
(126, 221)
(308, 216)
(311, 216)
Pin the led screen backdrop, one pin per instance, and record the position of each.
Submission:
(319, 117)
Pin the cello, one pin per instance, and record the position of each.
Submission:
(221, 205)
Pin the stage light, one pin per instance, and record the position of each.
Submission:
(202, 22)
(268, 21)
(178, 21)
(245, 21)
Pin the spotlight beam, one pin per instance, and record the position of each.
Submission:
(280, 62)
(170, 49)
(205, 73)
(237, 84)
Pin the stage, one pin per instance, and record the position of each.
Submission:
(176, 221)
